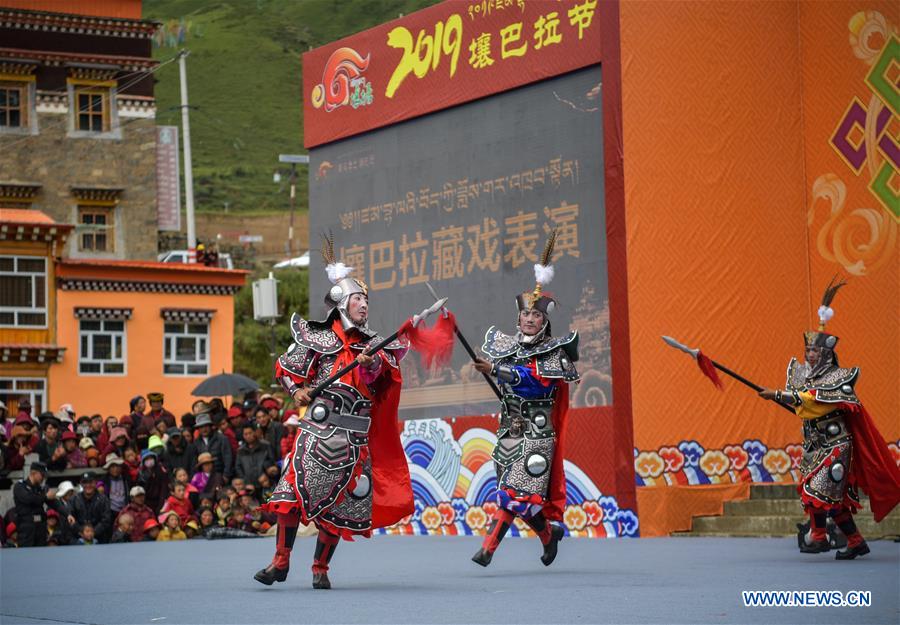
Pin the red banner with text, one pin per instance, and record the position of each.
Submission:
(442, 56)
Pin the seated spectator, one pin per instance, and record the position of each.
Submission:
(171, 529)
(91, 507)
(65, 496)
(179, 503)
(124, 529)
(191, 529)
(142, 438)
(151, 530)
(265, 486)
(238, 484)
(291, 424)
(155, 444)
(75, 458)
(223, 508)
(86, 537)
(118, 443)
(132, 464)
(22, 443)
(206, 479)
(182, 477)
(12, 536)
(207, 518)
(83, 426)
(53, 528)
(97, 430)
(154, 480)
(139, 512)
(93, 458)
(117, 484)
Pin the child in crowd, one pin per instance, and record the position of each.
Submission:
(171, 529)
(87, 535)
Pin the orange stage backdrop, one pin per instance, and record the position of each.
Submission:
(761, 158)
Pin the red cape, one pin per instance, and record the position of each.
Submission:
(556, 493)
(874, 469)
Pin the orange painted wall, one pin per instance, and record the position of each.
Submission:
(109, 395)
(728, 108)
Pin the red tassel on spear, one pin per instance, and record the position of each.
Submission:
(709, 366)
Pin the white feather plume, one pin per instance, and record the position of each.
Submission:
(337, 272)
(825, 313)
(543, 273)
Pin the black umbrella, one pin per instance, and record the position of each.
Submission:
(225, 384)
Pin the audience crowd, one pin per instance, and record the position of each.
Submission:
(144, 475)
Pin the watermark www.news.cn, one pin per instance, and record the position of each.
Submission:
(806, 598)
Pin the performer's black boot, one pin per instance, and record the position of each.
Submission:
(856, 544)
(497, 530)
(818, 539)
(550, 535)
(325, 546)
(286, 534)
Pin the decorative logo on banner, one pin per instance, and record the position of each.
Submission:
(867, 139)
(447, 54)
(343, 82)
(455, 485)
(751, 461)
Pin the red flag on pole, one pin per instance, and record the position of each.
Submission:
(709, 370)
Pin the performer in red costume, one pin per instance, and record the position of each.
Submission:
(533, 370)
(842, 448)
(347, 472)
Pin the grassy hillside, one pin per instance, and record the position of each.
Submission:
(244, 83)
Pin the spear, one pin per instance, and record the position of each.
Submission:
(708, 367)
(412, 322)
(468, 348)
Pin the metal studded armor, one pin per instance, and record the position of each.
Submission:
(328, 475)
(526, 439)
(827, 442)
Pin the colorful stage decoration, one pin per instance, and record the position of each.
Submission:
(454, 484)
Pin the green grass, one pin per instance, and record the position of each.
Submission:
(244, 84)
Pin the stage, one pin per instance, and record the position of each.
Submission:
(431, 580)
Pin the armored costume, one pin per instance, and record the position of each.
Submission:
(842, 449)
(347, 472)
(533, 373)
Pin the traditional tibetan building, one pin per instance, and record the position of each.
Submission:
(78, 132)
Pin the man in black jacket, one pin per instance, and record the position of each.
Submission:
(30, 496)
(254, 455)
(206, 439)
(50, 449)
(177, 453)
(92, 506)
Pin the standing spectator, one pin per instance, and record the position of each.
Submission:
(66, 416)
(176, 455)
(291, 424)
(117, 484)
(124, 529)
(224, 427)
(50, 449)
(30, 496)
(93, 458)
(118, 442)
(23, 443)
(157, 412)
(269, 423)
(156, 445)
(171, 527)
(142, 438)
(139, 511)
(236, 418)
(83, 426)
(91, 507)
(207, 440)
(7, 421)
(179, 503)
(138, 419)
(254, 456)
(75, 458)
(96, 429)
(154, 480)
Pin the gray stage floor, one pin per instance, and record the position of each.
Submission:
(431, 580)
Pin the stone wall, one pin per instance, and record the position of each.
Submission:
(58, 162)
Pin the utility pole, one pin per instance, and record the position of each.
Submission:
(293, 159)
(188, 171)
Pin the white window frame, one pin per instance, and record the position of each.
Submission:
(118, 337)
(16, 310)
(170, 345)
(37, 405)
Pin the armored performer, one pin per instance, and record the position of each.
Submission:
(533, 370)
(842, 449)
(347, 472)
